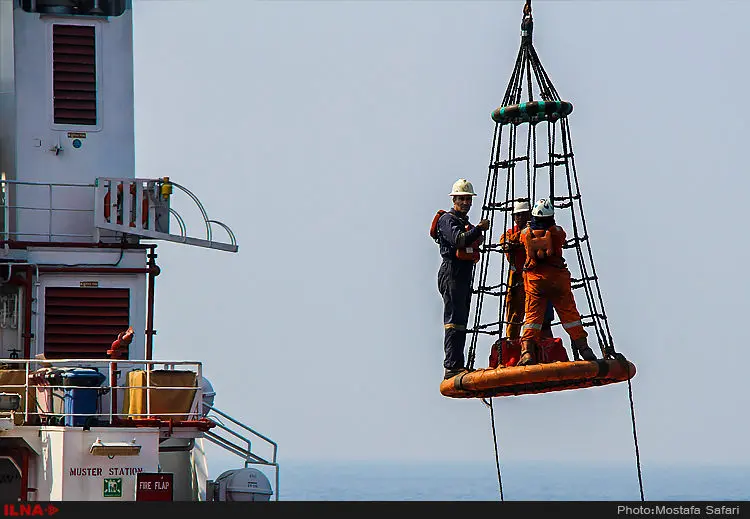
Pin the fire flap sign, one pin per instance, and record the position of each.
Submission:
(153, 486)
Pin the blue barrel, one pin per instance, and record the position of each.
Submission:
(80, 400)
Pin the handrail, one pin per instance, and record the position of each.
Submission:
(146, 227)
(249, 429)
(7, 233)
(245, 453)
(198, 204)
(32, 387)
(34, 390)
(232, 237)
(101, 186)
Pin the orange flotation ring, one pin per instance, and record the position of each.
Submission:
(537, 378)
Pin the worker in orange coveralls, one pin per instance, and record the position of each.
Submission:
(515, 301)
(547, 278)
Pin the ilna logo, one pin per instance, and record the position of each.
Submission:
(24, 510)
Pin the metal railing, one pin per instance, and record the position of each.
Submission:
(143, 211)
(39, 397)
(7, 208)
(246, 453)
(148, 205)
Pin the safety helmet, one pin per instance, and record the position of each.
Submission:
(462, 187)
(543, 208)
(520, 206)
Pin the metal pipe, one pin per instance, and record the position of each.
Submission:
(148, 391)
(197, 203)
(178, 448)
(153, 271)
(13, 244)
(6, 211)
(122, 341)
(102, 270)
(112, 392)
(26, 397)
(24, 471)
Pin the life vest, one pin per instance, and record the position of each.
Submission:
(543, 247)
(516, 252)
(470, 253)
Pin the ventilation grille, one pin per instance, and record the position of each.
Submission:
(83, 322)
(74, 74)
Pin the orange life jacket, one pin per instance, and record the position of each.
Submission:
(516, 252)
(543, 247)
(470, 253)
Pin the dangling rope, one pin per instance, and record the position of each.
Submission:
(489, 404)
(632, 419)
(621, 357)
(497, 454)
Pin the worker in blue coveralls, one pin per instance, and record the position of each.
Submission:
(459, 247)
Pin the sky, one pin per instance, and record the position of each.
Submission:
(327, 134)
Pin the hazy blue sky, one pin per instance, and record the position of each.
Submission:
(326, 134)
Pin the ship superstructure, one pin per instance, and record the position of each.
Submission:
(86, 413)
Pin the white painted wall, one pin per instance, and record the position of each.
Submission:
(136, 283)
(77, 475)
(108, 148)
(7, 91)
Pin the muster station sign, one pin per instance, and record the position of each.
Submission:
(153, 486)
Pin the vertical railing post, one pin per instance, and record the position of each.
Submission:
(199, 392)
(148, 389)
(138, 206)
(26, 403)
(112, 395)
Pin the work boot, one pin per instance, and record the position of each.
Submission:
(528, 354)
(450, 373)
(584, 351)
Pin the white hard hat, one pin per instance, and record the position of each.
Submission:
(520, 207)
(543, 208)
(462, 187)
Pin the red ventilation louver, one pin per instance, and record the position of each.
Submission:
(83, 322)
(74, 74)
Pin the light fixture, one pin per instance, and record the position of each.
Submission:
(95, 9)
(112, 449)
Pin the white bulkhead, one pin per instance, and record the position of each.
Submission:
(75, 474)
(74, 86)
(77, 276)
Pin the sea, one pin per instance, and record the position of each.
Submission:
(453, 480)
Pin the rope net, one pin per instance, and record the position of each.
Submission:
(532, 157)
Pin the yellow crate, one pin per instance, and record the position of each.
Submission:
(162, 400)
